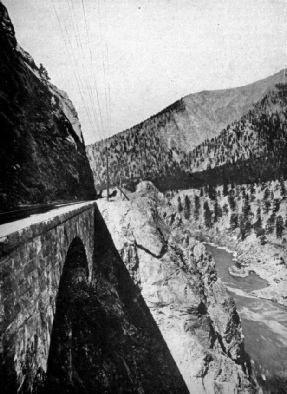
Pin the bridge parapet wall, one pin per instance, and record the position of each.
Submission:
(31, 264)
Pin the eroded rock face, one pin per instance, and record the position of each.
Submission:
(178, 282)
(42, 154)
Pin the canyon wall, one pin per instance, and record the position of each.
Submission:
(178, 281)
(42, 153)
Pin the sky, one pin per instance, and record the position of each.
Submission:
(121, 61)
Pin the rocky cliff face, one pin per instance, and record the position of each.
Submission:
(178, 281)
(42, 155)
(186, 137)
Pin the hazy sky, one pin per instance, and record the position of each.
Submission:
(120, 61)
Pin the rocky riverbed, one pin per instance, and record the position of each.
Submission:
(268, 261)
(264, 324)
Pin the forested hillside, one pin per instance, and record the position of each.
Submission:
(249, 149)
(244, 210)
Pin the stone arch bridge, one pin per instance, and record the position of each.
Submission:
(71, 318)
(33, 254)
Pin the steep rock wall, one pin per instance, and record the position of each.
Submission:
(177, 279)
(42, 154)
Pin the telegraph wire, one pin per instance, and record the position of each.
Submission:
(80, 47)
(91, 60)
(103, 63)
(108, 70)
(91, 110)
(78, 81)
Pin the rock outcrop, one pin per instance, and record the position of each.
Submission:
(178, 281)
(42, 154)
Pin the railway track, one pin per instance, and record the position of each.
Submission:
(24, 212)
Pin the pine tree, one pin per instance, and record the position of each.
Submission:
(270, 224)
(276, 205)
(186, 209)
(44, 72)
(207, 215)
(231, 200)
(258, 224)
(233, 221)
(243, 192)
(225, 209)
(282, 188)
(217, 211)
(246, 209)
(266, 194)
(252, 192)
(279, 226)
(266, 201)
(196, 207)
(179, 205)
(211, 192)
(245, 227)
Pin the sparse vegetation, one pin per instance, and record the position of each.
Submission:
(242, 210)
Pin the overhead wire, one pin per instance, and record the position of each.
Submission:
(105, 69)
(77, 77)
(108, 70)
(103, 63)
(94, 111)
(91, 110)
(105, 127)
(93, 73)
(84, 65)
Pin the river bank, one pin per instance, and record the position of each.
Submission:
(268, 261)
(194, 211)
(176, 277)
(264, 324)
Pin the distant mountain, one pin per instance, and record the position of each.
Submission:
(208, 112)
(164, 144)
(42, 152)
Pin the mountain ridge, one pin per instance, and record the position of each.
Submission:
(164, 145)
(261, 87)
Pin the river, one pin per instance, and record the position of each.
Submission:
(264, 325)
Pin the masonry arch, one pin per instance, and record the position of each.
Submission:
(63, 353)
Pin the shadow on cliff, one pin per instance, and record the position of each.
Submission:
(42, 157)
(104, 337)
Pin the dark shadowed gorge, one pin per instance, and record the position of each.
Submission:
(104, 338)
